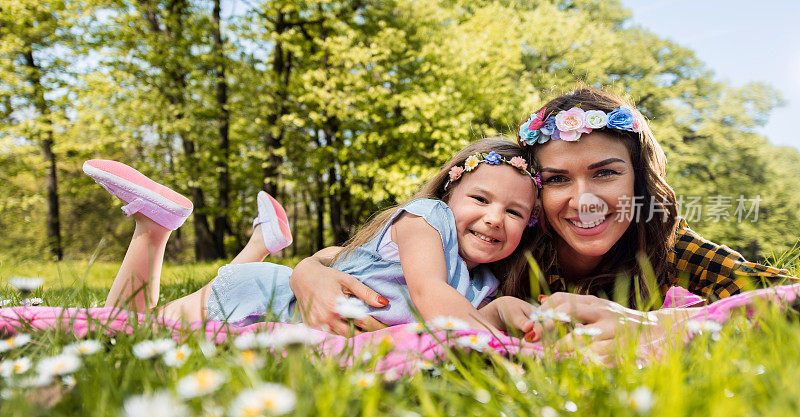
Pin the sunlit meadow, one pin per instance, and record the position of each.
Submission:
(748, 367)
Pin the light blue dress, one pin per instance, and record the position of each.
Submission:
(244, 293)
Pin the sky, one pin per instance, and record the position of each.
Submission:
(741, 41)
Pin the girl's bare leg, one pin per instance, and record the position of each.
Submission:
(193, 306)
(254, 251)
(136, 285)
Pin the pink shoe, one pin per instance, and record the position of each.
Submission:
(143, 195)
(274, 224)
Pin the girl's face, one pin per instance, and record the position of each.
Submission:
(491, 206)
(577, 176)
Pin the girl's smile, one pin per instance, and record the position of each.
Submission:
(491, 206)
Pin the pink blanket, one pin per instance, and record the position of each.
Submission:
(406, 344)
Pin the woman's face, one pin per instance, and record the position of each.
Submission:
(587, 188)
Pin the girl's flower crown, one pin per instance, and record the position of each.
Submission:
(570, 124)
(491, 158)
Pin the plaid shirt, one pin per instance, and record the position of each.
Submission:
(706, 269)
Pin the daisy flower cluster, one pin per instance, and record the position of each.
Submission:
(22, 373)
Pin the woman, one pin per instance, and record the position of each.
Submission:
(594, 151)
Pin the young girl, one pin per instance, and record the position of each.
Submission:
(442, 250)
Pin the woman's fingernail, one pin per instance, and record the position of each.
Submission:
(530, 336)
(382, 301)
(542, 297)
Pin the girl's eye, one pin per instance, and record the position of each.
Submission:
(555, 179)
(480, 199)
(514, 213)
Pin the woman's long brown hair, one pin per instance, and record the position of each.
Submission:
(654, 238)
(511, 271)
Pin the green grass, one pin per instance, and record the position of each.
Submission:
(751, 369)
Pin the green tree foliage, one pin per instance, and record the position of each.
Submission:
(340, 108)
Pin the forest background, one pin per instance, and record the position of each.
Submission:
(341, 108)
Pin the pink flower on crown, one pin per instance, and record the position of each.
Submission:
(455, 173)
(518, 162)
(571, 124)
(635, 125)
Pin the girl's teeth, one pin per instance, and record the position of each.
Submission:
(482, 237)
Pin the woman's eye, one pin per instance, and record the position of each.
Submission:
(555, 179)
(606, 173)
(480, 199)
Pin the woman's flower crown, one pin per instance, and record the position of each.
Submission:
(570, 124)
(494, 158)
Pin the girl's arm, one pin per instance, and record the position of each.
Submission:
(317, 287)
(425, 270)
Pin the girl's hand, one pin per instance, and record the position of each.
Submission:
(510, 314)
(317, 287)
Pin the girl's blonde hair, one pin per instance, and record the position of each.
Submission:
(654, 238)
(511, 271)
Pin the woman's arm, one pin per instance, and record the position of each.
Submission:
(317, 287)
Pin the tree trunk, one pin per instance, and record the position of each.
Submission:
(221, 221)
(51, 181)
(320, 206)
(281, 69)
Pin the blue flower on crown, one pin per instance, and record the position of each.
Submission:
(492, 158)
(529, 136)
(621, 118)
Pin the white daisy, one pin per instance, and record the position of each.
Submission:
(477, 342)
(14, 342)
(202, 382)
(294, 336)
(11, 367)
(251, 359)
(273, 399)
(245, 341)
(163, 345)
(175, 358)
(62, 364)
(145, 349)
(351, 308)
(159, 404)
(417, 328)
(34, 301)
(703, 326)
(548, 411)
(363, 380)
(641, 400)
(6, 302)
(448, 323)
(85, 347)
(25, 284)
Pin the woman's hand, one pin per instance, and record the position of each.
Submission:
(317, 287)
(609, 318)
